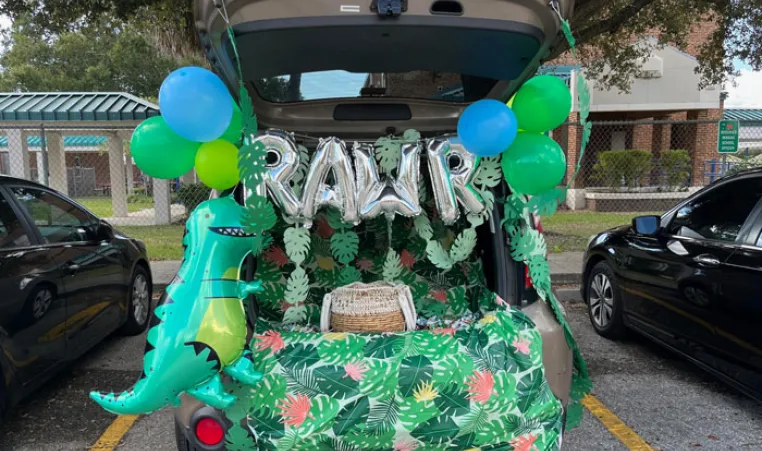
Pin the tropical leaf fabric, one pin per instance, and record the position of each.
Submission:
(478, 387)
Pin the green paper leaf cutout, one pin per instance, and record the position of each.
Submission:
(411, 135)
(353, 414)
(267, 424)
(297, 286)
(514, 208)
(301, 170)
(297, 241)
(452, 401)
(334, 218)
(258, 215)
(475, 219)
(463, 246)
(349, 274)
(423, 227)
(525, 243)
(294, 315)
(333, 381)
(413, 413)
(387, 153)
(344, 246)
(438, 256)
(539, 272)
(547, 203)
(239, 439)
(392, 266)
(440, 429)
(456, 297)
(489, 173)
(414, 371)
(252, 163)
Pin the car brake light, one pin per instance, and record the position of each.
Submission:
(537, 224)
(209, 431)
(527, 278)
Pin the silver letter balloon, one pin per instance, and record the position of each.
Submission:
(330, 157)
(452, 168)
(283, 163)
(392, 196)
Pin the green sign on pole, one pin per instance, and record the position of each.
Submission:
(727, 137)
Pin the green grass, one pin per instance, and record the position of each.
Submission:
(568, 231)
(102, 208)
(163, 242)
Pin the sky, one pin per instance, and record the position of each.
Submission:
(748, 90)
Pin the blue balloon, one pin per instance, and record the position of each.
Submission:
(195, 104)
(487, 127)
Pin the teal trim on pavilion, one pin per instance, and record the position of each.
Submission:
(69, 141)
(749, 117)
(74, 107)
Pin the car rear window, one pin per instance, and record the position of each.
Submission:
(337, 84)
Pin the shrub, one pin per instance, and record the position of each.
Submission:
(192, 195)
(676, 164)
(617, 168)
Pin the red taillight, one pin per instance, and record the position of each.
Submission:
(527, 279)
(209, 431)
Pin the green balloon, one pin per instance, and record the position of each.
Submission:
(159, 152)
(233, 134)
(533, 164)
(542, 103)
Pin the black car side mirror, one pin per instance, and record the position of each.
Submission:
(646, 225)
(104, 231)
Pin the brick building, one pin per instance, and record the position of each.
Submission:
(664, 92)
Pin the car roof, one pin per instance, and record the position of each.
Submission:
(7, 179)
(491, 46)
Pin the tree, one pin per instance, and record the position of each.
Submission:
(99, 56)
(604, 29)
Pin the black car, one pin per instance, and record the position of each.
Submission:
(67, 280)
(688, 280)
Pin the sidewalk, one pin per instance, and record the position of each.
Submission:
(565, 269)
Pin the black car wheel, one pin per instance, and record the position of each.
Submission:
(604, 301)
(139, 303)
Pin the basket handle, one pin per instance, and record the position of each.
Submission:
(408, 308)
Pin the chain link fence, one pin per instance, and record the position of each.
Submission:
(638, 168)
(93, 166)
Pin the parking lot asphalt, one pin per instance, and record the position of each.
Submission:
(646, 397)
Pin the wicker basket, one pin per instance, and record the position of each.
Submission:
(373, 307)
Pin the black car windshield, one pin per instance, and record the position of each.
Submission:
(337, 84)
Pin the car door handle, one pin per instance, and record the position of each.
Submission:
(707, 260)
(72, 268)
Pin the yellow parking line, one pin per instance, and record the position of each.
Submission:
(113, 435)
(618, 429)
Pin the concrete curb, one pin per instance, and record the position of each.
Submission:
(566, 278)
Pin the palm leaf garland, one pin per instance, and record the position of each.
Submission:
(259, 214)
(528, 246)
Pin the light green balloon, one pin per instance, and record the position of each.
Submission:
(159, 152)
(542, 104)
(217, 164)
(533, 164)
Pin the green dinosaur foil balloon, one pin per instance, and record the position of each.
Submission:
(199, 327)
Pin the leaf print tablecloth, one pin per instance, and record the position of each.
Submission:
(481, 387)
